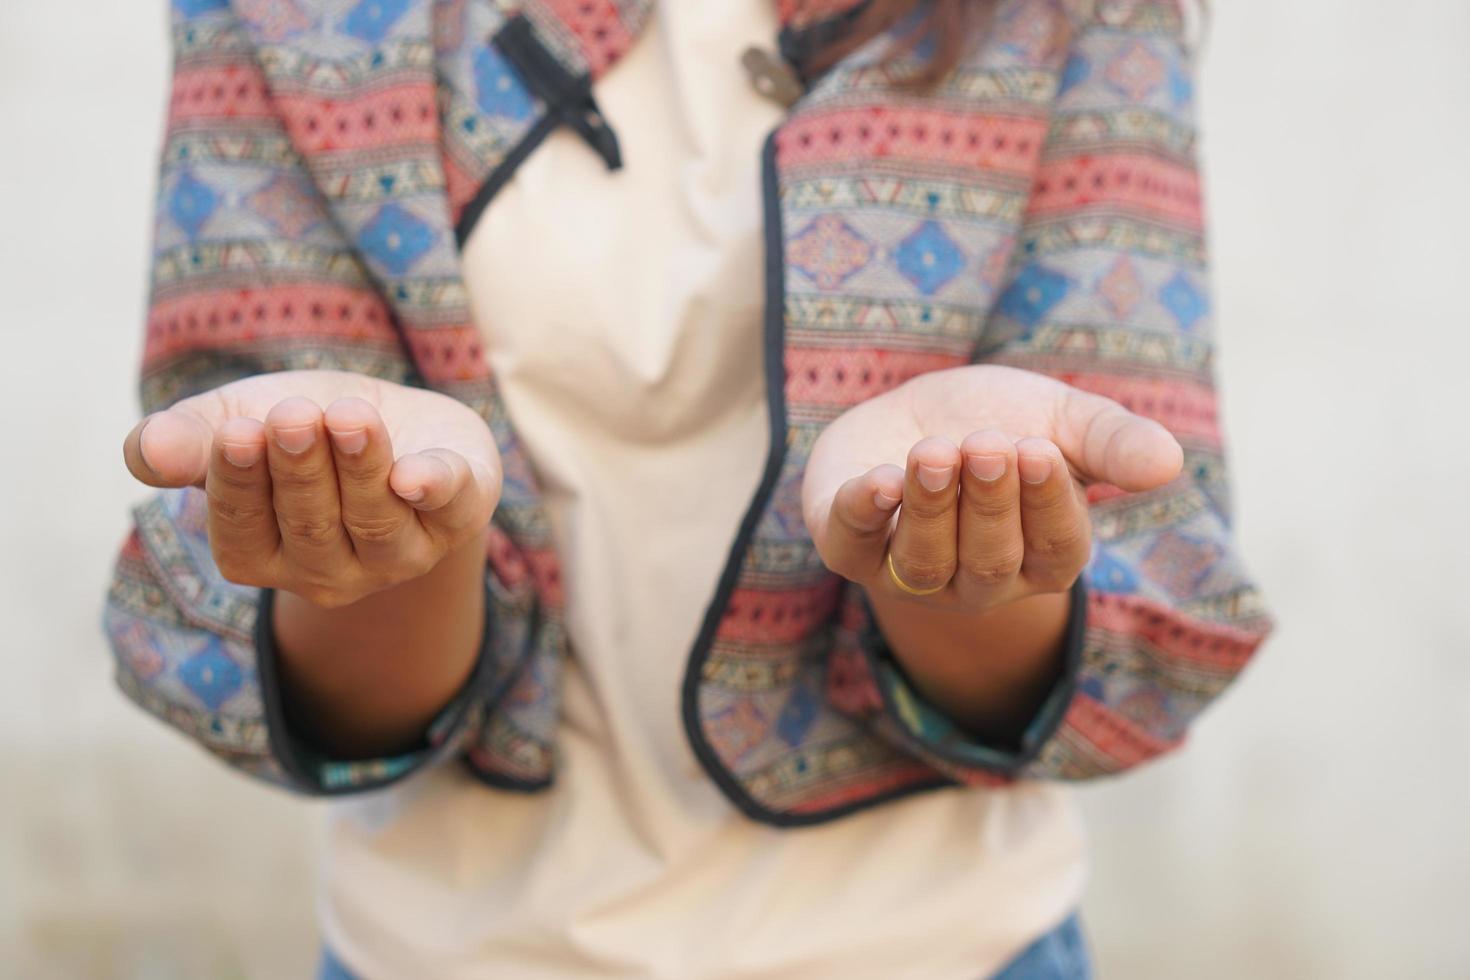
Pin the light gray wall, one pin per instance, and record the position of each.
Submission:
(1315, 828)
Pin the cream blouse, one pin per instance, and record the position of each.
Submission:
(622, 314)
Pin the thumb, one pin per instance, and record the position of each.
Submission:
(170, 448)
(1109, 444)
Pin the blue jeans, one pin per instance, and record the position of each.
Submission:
(1059, 955)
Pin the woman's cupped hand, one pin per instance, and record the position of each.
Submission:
(328, 484)
(970, 481)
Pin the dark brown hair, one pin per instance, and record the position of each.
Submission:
(950, 24)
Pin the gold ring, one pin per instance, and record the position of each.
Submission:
(893, 574)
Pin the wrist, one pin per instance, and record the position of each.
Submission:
(367, 678)
(988, 671)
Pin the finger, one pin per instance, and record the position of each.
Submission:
(859, 521)
(991, 545)
(172, 448)
(304, 488)
(379, 523)
(169, 449)
(450, 492)
(1053, 517)
(1109, 444)
(242, 519)
(924, 541)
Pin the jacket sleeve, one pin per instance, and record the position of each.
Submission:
(1107, 291)
(249, 275)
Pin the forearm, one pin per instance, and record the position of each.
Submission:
(366, 679)
(989, 672)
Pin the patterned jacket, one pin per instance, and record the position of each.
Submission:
(1040, 208)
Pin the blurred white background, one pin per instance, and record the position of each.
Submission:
(1319, 826)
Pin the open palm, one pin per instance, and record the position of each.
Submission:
(327, 483)
(1008, 522)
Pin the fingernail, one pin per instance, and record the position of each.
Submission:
(1034, 469)
(243, 456)
(350, 442)
(934, 478)
(143, 452)
(412, 496)
(885, 502)
(987, 468)
(298, 440)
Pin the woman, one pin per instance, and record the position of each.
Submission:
(809, 492)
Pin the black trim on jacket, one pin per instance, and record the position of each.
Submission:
(568, 99)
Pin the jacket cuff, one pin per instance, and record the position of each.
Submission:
(314, 771)
(936, 737)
